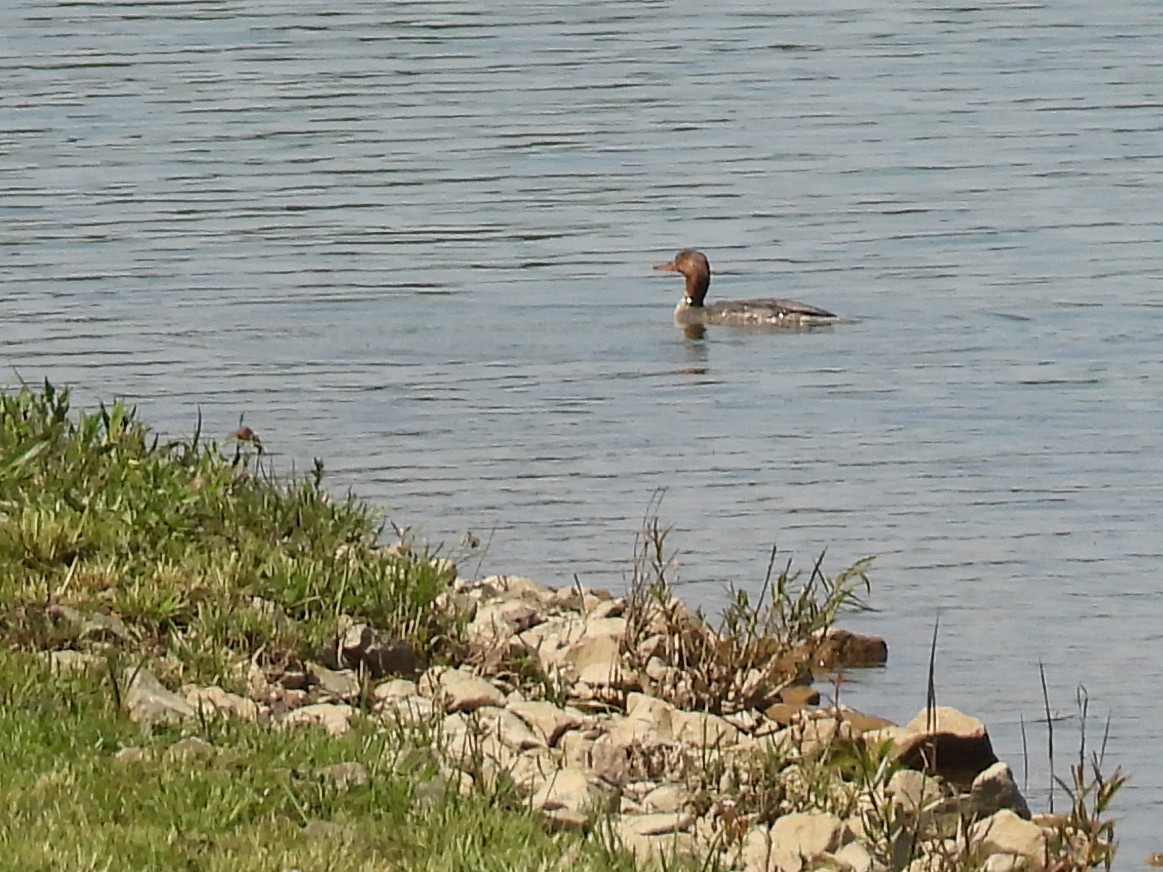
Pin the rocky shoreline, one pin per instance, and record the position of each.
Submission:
(578, 705)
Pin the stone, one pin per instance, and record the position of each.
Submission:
(406, 712)
(344, 776)
(667, 798)
(498, 621)
(396, 688)
(558, 820)
(341, 685)
(841, 649)
(661, 850)
(995, 789)
(378, 652)
(943, 742)
(855, 857)
(532, 769)
(912, 790)
(704, 730)
(334, 718)
(547, 720)
(1006, 833)
(655, 824)
(799, 695)
(214, 701)
(512, 732)
(1006, 863)
(459, 690)
(149, 702)
(573, 789)
(805, 836)
(521, 588)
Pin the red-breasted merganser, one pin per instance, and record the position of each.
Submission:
(691, 311)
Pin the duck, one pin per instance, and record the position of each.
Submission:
(693, 311)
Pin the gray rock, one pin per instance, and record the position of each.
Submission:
(655, 824)
(547, 720)
(213, 701)
(378, 652)
(148, 701)
(667, 798)
(460, 691)
(1006, 833)
(335, 685)
(805, 835)
(995, 789)
(335, 719)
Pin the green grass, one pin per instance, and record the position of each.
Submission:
(68, 803)
(191, 550)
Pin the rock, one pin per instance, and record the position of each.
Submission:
(573, 789)
(913, 790)
(804, 836)
(334, 685)
(995, 789)
(213, 701)
(597, 660)
(344, 776)
(406, 712)
(498, 621)
(519, 587)
(855, 857)
(532, 769)
(945, 743)
(704, 730)
(799, 695)
(378, 652)
(459, 690)
(654, 824)
(559, 820)
(335, 719)
(1006, 833)
(841, 649)
(667, 798)
(1006, 863)
(547, 720)
(662, 850)
(756, 850)
(93, 626)
(510, 730)
(396, 688)
(148, 702)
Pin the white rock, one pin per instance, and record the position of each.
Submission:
(459, 690)
(335, 719)
(211, 701)
(547, 720)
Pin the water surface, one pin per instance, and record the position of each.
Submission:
(414, 239)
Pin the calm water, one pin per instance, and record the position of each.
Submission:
(414, 239)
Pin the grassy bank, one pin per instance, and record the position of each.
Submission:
(190, 562)
(185, 557)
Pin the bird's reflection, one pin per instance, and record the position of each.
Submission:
(694, 351)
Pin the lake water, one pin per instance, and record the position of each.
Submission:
(415, 238)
